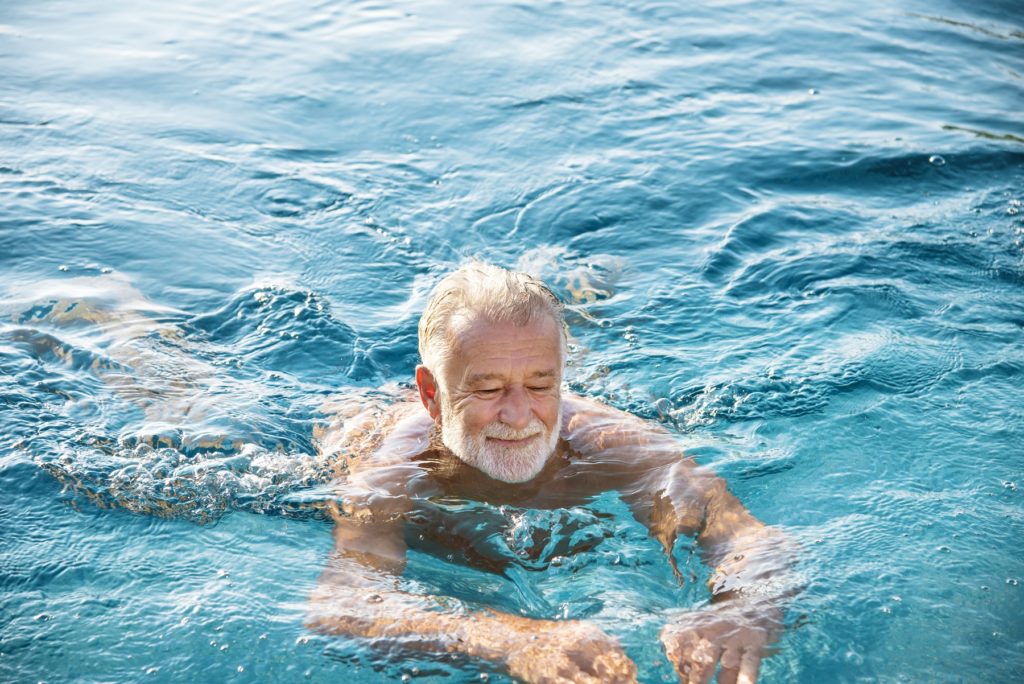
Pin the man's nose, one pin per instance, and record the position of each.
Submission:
(515, 408)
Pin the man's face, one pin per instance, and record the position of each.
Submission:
(500, 400)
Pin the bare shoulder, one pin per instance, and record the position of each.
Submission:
(591, 426)
(370, 444)
(363, 426)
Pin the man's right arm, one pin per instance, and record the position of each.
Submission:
(359, 595)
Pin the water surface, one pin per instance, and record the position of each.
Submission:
(789, 232)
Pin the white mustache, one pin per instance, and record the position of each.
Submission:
(502, 431)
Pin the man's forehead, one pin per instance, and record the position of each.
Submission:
(483, 347)
(469, 332)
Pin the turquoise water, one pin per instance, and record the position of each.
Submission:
(791, 232)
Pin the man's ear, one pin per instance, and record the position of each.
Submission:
(427, 385)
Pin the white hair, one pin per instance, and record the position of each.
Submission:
(483, 291)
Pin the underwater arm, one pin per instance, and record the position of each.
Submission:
(359, 595)
(672, 496)
(751, 564)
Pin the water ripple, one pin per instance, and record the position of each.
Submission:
(282, 329)
(201, 487)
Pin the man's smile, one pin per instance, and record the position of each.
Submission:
(513, 442)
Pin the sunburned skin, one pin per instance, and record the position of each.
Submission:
(407, 462)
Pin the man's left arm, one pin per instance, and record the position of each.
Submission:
(751, 576)
(673, 496)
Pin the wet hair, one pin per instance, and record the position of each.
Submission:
(482, 291)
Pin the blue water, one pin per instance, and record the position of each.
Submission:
(791, 232)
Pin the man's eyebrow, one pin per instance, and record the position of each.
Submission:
(483, 377)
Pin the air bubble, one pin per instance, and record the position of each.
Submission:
(63, 267)
(484, 677)
(936, 160)
(1012, 581)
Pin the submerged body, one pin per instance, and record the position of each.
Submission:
(497, 428)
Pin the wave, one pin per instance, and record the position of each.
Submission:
(199, 487)
(281, 329)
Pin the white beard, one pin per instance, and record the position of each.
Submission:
(501, 462)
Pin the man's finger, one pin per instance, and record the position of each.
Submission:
(739, 666)
(703, 659)
(750, 663)
(728, 675)
(730, 664)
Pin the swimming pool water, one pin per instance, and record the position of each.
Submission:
(791, 232)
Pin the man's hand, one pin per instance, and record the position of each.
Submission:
(548, 652)
(697, 642)
(575, 652)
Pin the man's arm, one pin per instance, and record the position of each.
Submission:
(359, 593)
(673, 496)
(751, 562)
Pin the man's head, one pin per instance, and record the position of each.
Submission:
(493, 346)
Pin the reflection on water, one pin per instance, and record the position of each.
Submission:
(790, 233)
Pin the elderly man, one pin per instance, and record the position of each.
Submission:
(498, 428)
